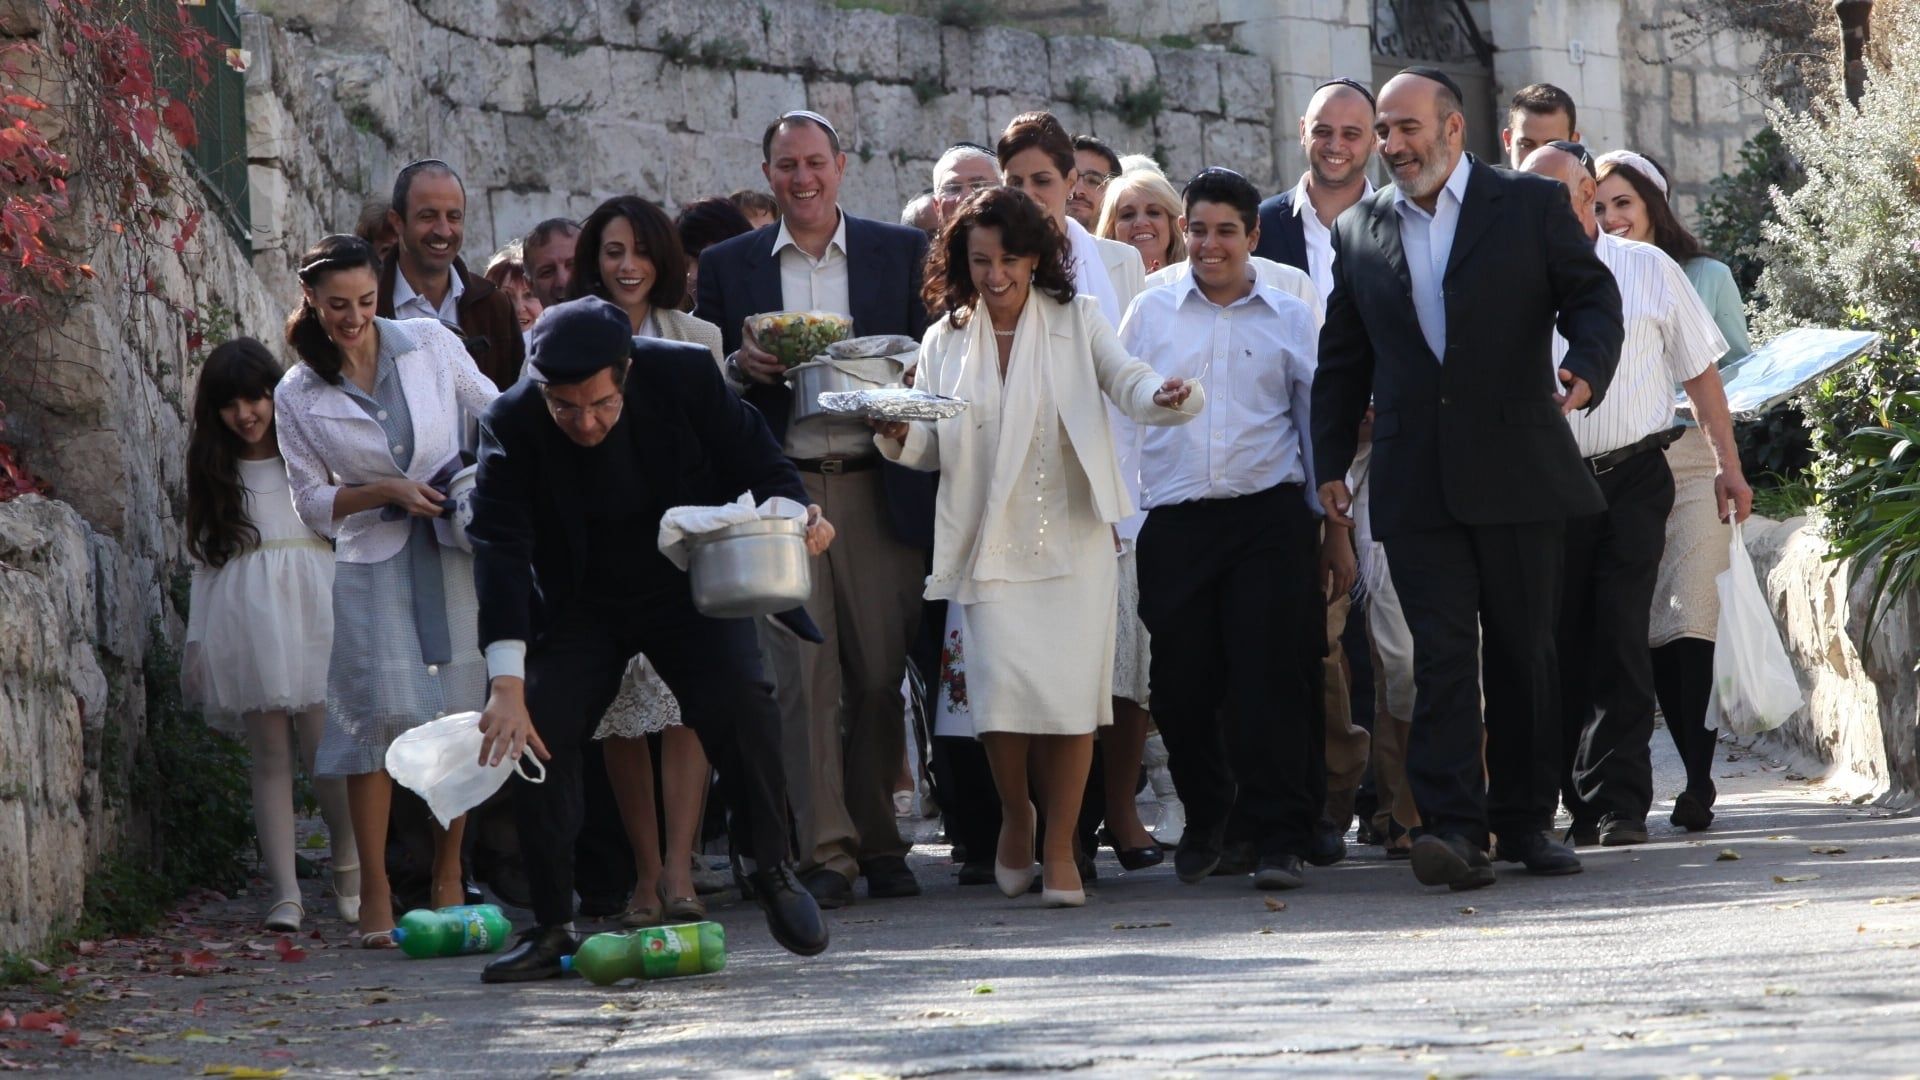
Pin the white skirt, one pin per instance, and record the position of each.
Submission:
(260, 632)
(1686, 602)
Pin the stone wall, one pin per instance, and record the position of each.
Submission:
(1863, 692)
(550, 107)
(98, 402)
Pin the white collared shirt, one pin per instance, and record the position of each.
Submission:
(1256, 430)
(822, 284)
(408, 304)
(1671, 337)
(1319, 238)
(1427, 240)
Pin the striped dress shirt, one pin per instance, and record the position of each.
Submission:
(1670, 338)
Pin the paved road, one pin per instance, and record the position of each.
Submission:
(1665, 960)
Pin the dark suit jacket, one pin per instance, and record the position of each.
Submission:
(487, 323)
(1476, 440)
(740, 277)
(696, 443)
(1282, 238)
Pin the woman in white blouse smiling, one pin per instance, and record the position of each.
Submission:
(370, 422)
(1030, 490)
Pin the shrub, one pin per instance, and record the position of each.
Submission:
(1738, 205)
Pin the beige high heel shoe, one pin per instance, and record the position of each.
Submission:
(346, 905)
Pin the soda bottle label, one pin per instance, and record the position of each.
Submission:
(667, 953)
(474, 936)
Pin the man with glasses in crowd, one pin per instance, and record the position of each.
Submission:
(1095, 165)
(577, 464)
(965, 169)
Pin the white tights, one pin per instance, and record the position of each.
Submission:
(267, 736)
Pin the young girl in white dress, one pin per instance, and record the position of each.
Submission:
(260, 619)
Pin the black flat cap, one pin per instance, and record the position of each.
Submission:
(571, 341)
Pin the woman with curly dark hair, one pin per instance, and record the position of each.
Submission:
(1030, 489)
(260, 620)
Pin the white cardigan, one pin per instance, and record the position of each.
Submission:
(330, 442)
(1089, 368)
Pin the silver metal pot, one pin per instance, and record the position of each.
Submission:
(753, 568)
(825, 375)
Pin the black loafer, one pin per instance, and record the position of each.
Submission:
(1279, 872)
(976, 873)
(1450, 861)
(829, 889)
(793, 915)
(1619, 833)
(536, 955)
(1691, 812)
(1328, 845)
(1140, 858)
(889, 877)
(1196, 858)
(1237, 859)
(1540, 852)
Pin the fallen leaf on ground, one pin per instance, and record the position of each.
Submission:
(243, 1072)
(1789, 907)
(1882, 901)
(1276, 905)
(153, 1059)
(199, 1036)
(983, 988)
(1266, 930)
(1727, 855)
(289, 952)
(40, 1021)
(1828, 850)
(1140, 925)
(8, 1021)
(1789, 879)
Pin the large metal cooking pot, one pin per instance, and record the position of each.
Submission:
(828, 375)
(753, 568)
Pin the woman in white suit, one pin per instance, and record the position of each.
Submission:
(1030, 491)
(370, 421)
(1036, 157)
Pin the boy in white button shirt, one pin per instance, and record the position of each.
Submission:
(1233, 572)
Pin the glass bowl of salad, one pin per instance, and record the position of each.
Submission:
(795, 337)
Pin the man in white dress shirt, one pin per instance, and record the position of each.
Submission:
(1232, 569)
(1606, 668)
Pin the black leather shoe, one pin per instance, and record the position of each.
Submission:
(1691, 812)
(1581, 834)
(1450, 861)
(1279, 872)
(1131, 859)
(601, 907)
(1328, 846)
(536, 955)
(889, 877)
(1195, 858)
(1615, 832)
(1541, 853)
(977, 873)
(829, 889)
(1237, 859)
(792, 913)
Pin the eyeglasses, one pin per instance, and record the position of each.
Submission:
(606, 410)
(1579, 151)
(1097, 179)
(954, 189)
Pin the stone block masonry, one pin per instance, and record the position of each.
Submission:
(548, 107)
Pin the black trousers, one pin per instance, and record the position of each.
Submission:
(1480, 603)
(713, 668)
(1682, 680)
(1239, 630)
(1606, 667)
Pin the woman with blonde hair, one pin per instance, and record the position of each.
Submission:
(1142, 209)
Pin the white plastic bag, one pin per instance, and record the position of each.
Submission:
(1754, 688)
(440, 761)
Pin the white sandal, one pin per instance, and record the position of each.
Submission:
(347, 905)
(276, 921)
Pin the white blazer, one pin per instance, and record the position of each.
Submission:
(1125, 269)
(1088, 368)
(329, 442)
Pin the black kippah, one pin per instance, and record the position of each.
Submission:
(1441, 77)
(1351, 84)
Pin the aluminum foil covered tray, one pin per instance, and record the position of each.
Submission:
(892, 403)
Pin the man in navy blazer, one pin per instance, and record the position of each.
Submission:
(867, 589)
(578, 461)
(1296, 226)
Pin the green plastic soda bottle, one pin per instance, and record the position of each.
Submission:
(452, 931)
(656, 952)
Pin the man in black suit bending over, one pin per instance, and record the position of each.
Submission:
(577, 463)
(1448, 287)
